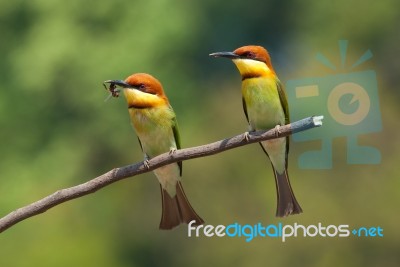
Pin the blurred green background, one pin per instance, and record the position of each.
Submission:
(57, 131)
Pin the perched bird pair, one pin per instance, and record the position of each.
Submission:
(265, 106)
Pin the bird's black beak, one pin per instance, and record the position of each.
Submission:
(119, 83)
(113, 86)
(230, 55)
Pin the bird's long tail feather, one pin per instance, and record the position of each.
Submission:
(287, 203)
(177, 209)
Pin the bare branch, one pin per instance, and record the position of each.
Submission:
(117, 174)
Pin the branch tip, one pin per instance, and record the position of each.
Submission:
(317, 120)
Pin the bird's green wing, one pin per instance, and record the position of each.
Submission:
(284, 102)
(285, 105)
(140, 143)
(245, 109)
(177, 137)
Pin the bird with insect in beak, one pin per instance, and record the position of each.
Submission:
(265, 106)
(155, 124)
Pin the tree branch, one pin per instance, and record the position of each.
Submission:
(117, 174)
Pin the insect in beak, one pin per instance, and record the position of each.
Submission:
(114, 92)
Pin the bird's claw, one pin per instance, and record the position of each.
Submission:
(247, 136)
(277, 130)
(146, 163)
(172, 150)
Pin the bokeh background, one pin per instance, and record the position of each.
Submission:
(57, 131)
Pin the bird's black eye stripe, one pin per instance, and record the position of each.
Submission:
(144, 88)
(248, 54)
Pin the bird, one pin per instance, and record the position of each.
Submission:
(156, 127)
(265, 107)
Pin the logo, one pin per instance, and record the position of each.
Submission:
(280, 231)
(350, 104)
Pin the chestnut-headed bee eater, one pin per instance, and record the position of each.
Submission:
(265, 106)
(155, 124)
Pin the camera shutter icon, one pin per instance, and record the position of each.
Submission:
(350, 105)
